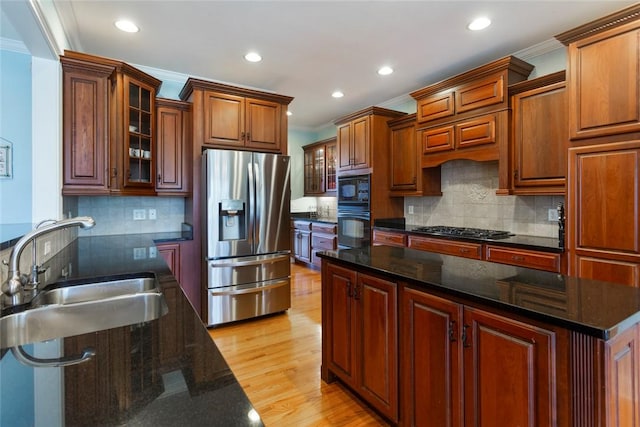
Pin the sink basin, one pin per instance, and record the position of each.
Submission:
(73, 293)
(79, 308)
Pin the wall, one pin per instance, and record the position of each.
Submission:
(15, 126)
(469, 200)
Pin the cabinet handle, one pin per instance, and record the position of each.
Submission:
(242, 136)
(349, 293)
(465, 338)
(464, 250)
(159, 178)
(452, 327)
(248, 136)
(356, 292)
(517, 258)
(515, 174)
(415, 180)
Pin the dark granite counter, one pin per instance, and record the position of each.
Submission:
(165, 372)
(595, 308)
(545, 244)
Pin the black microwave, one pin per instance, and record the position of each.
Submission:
(353, 192)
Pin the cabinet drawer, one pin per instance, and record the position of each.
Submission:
(478, 131)
(524, 258)
(302, 225)
(435, 107)
(448, 247)
(438, 139)
(389, 238)
(480, 93)
(323, 241)
(324, 228)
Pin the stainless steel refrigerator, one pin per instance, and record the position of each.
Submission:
(246, 240)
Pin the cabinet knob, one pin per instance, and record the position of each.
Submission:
(159, 178)
(242, 136)
(452, 327)
(465, 337)
(517, 258)
(248, 136)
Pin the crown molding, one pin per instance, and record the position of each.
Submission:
(539, 49)
(13, 46)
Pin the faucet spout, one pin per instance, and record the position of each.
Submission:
(16, 281)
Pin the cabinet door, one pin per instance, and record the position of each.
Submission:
(302, 245)
(345, 145)
(436, 139)
(171, 254)
(85, 134)
(540, 137)
(171, 152)
(431, 363)
(340, 322)
(509, 372)
(262, 126)
(604, 215)
(314, 170)
(331, 154)
(377, 343)
(604, 83)
(404, 162)
(139, 130)
(361, 142)
(223, 119)
(622, 381)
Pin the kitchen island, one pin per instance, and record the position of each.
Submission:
(431, 340)
(164, 372)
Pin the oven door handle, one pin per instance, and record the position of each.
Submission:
(365, 217)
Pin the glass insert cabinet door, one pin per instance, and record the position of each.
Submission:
(314, 171)
(139, 133)
(330, 154)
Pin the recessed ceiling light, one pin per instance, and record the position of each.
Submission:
(253, 57)
(289, 113)
(337, 94)
(385, 71)
(126, 26)
(479, 23)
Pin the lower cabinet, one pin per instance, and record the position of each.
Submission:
(465, 366)
(301, 241)
(359, 334)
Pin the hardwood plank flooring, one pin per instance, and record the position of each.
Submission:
(277, 361)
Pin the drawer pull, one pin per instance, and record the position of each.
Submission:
(463, 250)
(517, 258)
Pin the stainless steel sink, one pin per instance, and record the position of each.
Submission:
(80, 308)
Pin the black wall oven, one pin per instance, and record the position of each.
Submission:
(354, 215)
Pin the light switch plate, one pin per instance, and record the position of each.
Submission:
(139, 214)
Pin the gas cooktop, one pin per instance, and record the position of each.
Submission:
(475, 233)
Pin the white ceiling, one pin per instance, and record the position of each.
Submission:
(311, 48)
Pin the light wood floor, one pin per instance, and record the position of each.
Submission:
(277, 360)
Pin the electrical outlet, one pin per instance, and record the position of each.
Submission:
(152, 251)
(410, 209)
(553, 214)
(152, 214)
(139, 214)
(47, 247)
(139, 253)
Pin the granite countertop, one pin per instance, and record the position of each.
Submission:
(165, 372)
(595, 308)
(546, 244)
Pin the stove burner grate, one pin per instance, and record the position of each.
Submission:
(477, 233)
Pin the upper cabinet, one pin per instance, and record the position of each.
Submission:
(227, 116)
(363, 140)
(540, 135)
(320, 160)
(467, 116)
(108, 127)
(604, 75)
(173, 157)
(406, 176)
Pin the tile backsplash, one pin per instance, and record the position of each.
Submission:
(469, 200)
(114, 215)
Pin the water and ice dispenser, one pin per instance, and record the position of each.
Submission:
(232, 220)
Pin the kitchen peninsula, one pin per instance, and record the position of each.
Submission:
(429, 339)
(164, 372)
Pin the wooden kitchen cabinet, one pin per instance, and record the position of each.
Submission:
(170, 252)
(389, 238)
(447, 247)
(108, 127)
(407, 177)
(603, 230)
(466, 366)
(360, 336)
(320, 168)
(301, 244)
(363, 140)
(173, 158)
(323, 237)
(539, 260)
(226, 116)
(467, 116)
(540, 135)
(604, 75)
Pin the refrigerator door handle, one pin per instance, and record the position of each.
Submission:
(257, 208)
(254, 261)
(250, 290)
(252, 206)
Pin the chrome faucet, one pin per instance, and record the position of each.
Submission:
(16, 281)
